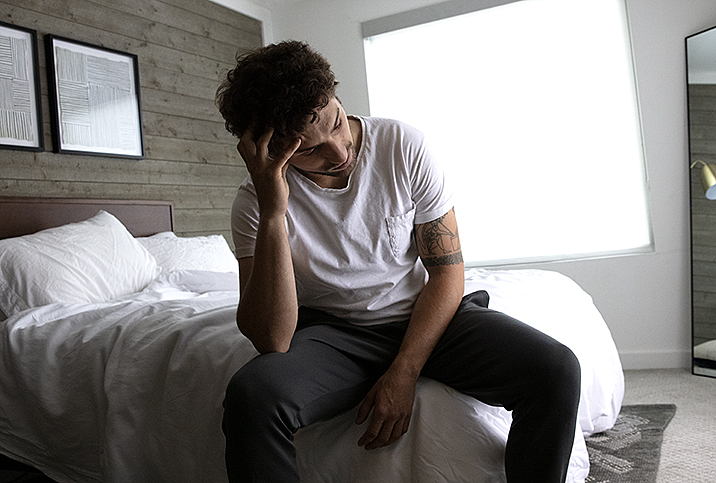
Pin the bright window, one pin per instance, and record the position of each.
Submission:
(532, 107)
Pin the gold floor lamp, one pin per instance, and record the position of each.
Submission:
(708, 178)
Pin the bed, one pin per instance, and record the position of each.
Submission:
(118, 339)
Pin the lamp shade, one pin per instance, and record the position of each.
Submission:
(708, 180)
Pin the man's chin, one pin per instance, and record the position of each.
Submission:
(348, 169)
(343, 171)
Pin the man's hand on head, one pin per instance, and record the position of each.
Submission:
(268, 172)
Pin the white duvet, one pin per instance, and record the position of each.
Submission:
(131, 390)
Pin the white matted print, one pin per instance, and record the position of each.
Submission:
(20, 108)
(94, 93)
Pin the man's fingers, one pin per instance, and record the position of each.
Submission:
(383, 430)
(400, 428)
(384, 433)
(246, 146)
(406, 423)
(256, 151)
(291, 149)
(265, 138)
(252, 151)
(251, 146)
(372, 436)
(365, 408)
(375, 424)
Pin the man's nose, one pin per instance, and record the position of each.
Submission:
(335, 152)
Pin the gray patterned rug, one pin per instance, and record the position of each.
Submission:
(630, 451)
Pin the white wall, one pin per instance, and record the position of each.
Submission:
(645, 299)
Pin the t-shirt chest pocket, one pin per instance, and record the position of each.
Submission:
(400, 230)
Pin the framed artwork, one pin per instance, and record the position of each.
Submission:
(94, 99)
(20, 100)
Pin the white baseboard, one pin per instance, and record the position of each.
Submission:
(635, 360)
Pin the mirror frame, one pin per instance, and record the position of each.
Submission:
(703, 262)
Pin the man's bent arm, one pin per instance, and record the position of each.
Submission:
(439, 248)
(268, 307)
(391, 399)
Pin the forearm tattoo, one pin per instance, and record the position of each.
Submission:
(438, 244)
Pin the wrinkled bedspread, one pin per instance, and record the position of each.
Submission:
(132, 389)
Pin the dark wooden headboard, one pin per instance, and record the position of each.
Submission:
(22, 216)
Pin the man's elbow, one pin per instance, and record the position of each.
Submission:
(264, 343)
(271, 347)
(450, 278)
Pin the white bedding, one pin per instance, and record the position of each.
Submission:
(130, 390)
(706, 350)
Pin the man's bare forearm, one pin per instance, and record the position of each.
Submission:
(432, 313)
(439, 247)
(268, 308)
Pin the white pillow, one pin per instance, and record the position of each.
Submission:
(210, 253)
(87, 262)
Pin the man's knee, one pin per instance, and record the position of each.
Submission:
(562, 376)
(255, 391)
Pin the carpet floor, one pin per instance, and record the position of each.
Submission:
(688, 452)
(630, 451)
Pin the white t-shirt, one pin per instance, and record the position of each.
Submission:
(353, 252)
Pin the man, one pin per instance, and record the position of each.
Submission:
(352, 284)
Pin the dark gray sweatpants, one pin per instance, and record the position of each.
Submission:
(332, 364)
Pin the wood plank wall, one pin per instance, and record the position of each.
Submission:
(702, 133)
(183, 47)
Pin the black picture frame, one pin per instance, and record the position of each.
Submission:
(94, 99)
(21, 111)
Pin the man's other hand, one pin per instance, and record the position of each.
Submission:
(391, 402)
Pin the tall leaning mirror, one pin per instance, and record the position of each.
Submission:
(701, 83)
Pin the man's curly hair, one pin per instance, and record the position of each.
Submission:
(282, 86)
